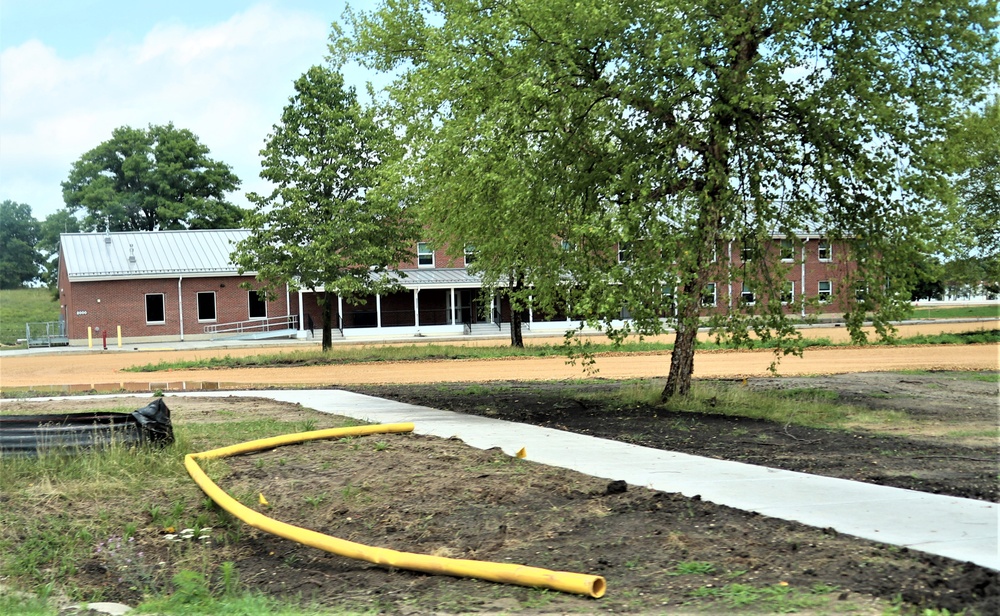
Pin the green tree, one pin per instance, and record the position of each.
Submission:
(56, 223)
(671, 127)
(978, 142)
(153, 179)
(19, 257)
(482, 199)
(328, 224)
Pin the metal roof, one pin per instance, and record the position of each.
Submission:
(137, 254)
(443, 278)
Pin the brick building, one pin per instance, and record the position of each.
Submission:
(182, 285)
(159, 286)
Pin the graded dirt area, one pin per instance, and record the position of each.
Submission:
(77, 370)
(660, 553)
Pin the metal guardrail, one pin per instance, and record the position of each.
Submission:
(254, 326)
(48, 333)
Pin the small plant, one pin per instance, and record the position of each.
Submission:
(381, 445)
(230, 578)
(316, 500)
(693, 567)
(125, 559)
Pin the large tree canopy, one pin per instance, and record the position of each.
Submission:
(674, 126)
(19, 257)
(152, 179)
(328, 224)
(978, 141)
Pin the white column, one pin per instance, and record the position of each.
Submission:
(378, 312)
(729, 256)
(340, 309)
(802, 288)
(531, 311)
(302, 316)
(416, 309)
(454, 311)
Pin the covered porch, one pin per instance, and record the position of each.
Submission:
(438, 302)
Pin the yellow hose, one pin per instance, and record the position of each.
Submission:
(577, 583)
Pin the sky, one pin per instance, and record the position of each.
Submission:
(71, 71)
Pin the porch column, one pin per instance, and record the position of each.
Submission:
(340, 310)
(302, 316)
(378, 312)
(453, 307)
(802, 289)
(531, 312)
(416, 309)
(729, 255)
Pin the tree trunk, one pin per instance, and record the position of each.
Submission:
(515, 329)
(327, 322)
(681, 361)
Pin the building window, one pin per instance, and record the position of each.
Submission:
(470, 255)
(747, 253)
(257, 306)
(206, 306)
(747, 297)
(825, 290)
(155, 312)
(567, 245)
(825, 251)
(624, 252)
(425, 255)
(788, 292)
(861, 292)
(787, 250)
(708, 295)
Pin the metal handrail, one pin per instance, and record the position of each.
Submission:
(288, 321)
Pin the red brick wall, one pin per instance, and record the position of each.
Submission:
(441, 259)
(112, 303)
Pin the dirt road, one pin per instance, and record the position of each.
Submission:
(77, 370)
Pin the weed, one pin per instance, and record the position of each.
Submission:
(230, 578)
(693, 567)
(777, 598)
(316, 500)
(381, 445)
(127, 561)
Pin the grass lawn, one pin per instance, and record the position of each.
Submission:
(991, 311)
(20, 306)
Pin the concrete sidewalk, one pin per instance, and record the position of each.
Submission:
(958, 528)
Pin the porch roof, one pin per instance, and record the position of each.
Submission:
(444, 278)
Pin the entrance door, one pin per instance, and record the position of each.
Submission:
(468, 305)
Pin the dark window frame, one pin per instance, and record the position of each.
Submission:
(215, 306)
(256, 298)
(162, 308)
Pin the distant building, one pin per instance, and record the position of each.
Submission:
(182, 285)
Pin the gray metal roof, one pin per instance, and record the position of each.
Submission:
(150, 254)
(438, 278)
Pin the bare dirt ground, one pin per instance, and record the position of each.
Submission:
(660, 553)
(81, 371)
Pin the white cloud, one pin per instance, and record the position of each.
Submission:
(227, 83)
